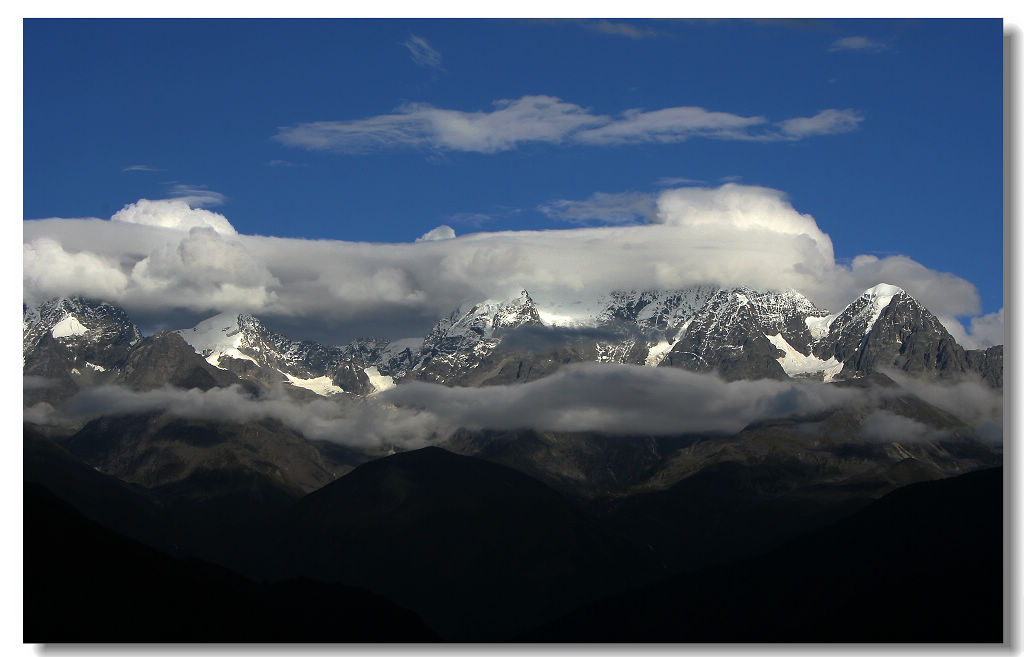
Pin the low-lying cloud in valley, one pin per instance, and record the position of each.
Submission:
(158, 256)
(620, 400)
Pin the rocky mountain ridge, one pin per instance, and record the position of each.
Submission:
(738, 333)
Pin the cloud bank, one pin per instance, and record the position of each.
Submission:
(162, 255)
(547, 119)
(621, 400)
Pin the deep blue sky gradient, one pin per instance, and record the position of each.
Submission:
(201, 101)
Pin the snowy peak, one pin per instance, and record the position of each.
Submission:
(68, 317)
(850, 328)
(98, 331)
(656, 311)
(243, 344)
(217, 336)
(887, 328)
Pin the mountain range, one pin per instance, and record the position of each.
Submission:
(494, 533)
(737, 333)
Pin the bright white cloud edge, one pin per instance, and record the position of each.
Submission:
(162, 254)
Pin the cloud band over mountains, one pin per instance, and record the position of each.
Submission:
(163, 255)
(621, 400)
(548, 119)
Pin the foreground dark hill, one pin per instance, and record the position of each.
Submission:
(480, 551)
(85, 584)
(923, 564)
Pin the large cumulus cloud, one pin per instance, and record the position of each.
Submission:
(167, 256)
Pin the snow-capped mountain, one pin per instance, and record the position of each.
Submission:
(73, 342)
(242, 344)
(742, 333)
(887, 328)
(735, 332)
(469, 336)
(97, 334)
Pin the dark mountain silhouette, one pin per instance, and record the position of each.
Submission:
(480, 551)
(923, 564)
(86, 584)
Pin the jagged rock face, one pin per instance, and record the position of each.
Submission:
(73, 343)
(83, 331)
(468, 339)
(887, 328)
(166, 359)
(392, 358)
(228, 340)
(987, 363)
(785, 314)
(655, 311)
(727, 336)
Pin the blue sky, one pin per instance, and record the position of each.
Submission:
(888, 132)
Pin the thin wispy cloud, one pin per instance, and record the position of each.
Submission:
(671, 124)
(604, 208)
(140, 167)
(621, 29)
(475, 219)
(674, 181)
(286, 164)
(551, 120)
(857, 43)
(422, 54)
(825, 122)
(197, 196)
(513, 122)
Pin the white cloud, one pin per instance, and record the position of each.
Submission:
(204, 268)
(617, 399)
(421, 53)
(732, 235)
(987, 330)
(621, 29)
(601, 207)
(883, 426)
(622, 399)
(547, 119)
(358, 423)
(677, 181)
(825, 122)
(140, 167)
(857, 43)
(197, 195)
(738, 208)
(49, 267)
(670, 125)
(513, 122)
(973, 402)
(442, 232)
(172, 213)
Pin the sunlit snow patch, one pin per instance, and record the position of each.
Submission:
(658, 352)
(795, 363)
(67, 327)
(321, 385)
(216, 337)
(879, 296)
(377, 380)
(818, 326)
